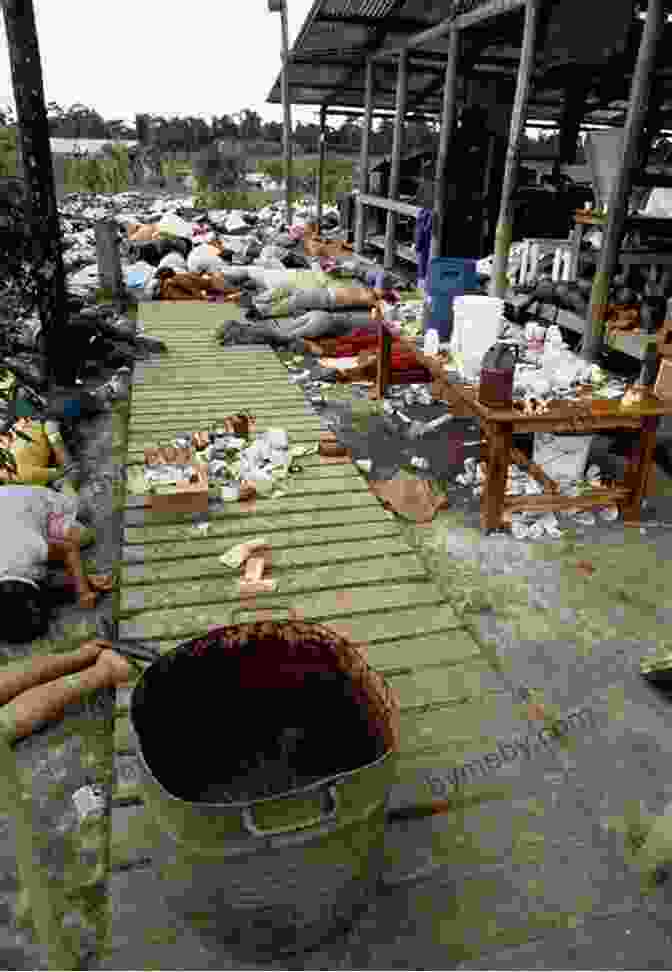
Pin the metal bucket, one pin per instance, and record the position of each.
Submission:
(282, 873)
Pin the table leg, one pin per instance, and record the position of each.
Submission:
(499, 438)
(638, 469)
(384, 360)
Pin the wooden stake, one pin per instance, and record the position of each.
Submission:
(109, 259)
(364, 176)
(445, 142)
(41, 208)
(323, 153)
(503, 236)
(395, 170)
(618, 201)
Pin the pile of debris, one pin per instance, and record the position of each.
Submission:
(240, 466)
(533, 526)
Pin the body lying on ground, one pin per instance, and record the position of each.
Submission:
(39, 525)
(39, 454)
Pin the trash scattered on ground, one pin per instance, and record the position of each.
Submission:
(412, 498)
(89, 802)
(237, 555)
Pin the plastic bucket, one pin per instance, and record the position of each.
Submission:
(448, 278)
(272, 864)
(477, 323)
(562, 457)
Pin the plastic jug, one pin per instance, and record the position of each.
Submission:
(497, 374)
(431, 341)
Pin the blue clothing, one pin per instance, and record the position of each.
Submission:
(423, 241)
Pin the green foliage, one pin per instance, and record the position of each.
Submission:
(337, 174)
(99, 175)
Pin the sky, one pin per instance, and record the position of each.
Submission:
(134, 56)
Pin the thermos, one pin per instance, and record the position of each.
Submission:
(652, 315)
(497, 373)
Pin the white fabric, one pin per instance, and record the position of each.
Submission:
(174, 224)
(24, 516)
(173, 260)
(659, 203)
(234, 222)
(204, 259)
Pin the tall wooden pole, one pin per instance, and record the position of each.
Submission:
(445, 141)
(289, 180)
(618, 201)
(504, 233)
(41, 208)
(323, 153)
(395, 170)
(364, 175)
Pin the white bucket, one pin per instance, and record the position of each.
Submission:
(477, 323)
(562, 457)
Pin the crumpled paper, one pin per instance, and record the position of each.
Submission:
(236, 556)
(411, 498)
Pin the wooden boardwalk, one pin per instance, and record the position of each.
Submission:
(338, 555)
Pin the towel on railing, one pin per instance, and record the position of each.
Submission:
(423, 241)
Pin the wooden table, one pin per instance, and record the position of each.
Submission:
(498, 426)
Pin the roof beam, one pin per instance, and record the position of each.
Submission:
(376, 41)
(492, 8)
(401, 24)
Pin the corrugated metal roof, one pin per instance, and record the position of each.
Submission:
(329, 55)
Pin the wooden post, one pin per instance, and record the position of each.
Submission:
(287, 128)
(364, 179)
(320, 172)
(445, 140)
(395, 170)
(618, 201)
(504, 233)
(109, 260)
(41, 208)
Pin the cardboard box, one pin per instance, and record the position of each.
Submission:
(184, 496)
(663, 386)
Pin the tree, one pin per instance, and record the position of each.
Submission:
(250, 124)
(226, 126)
(273, 131)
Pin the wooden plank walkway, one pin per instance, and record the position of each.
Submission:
(376, 592)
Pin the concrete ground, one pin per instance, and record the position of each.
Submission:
(542, 875)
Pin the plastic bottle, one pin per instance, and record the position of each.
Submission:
(431, 341)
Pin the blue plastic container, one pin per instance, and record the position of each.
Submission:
(448, 277)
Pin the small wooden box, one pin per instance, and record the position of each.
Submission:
(184, 496)
(663, 386)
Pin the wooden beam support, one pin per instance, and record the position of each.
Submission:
(503, 236)
(486, 11)
(445, 140)
(364, 175)
(618, 201)
(41, 209)
(395, 170)
(110, 275)
(287, 117)
(323, 154)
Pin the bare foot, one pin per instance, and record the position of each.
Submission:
(103, 583)
(116, 669)
(88, 600)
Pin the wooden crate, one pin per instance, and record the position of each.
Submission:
(185, 496)
(663, 386)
